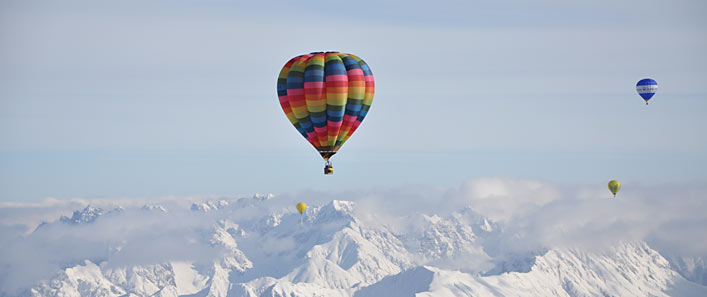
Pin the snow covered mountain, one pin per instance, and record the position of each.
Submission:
(240, 247)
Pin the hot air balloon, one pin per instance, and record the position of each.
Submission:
(614, 187)
(646, 88)
(301, 207)
(326, 95)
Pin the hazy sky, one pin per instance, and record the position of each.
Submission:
(105, 99)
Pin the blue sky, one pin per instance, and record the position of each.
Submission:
(104, 99)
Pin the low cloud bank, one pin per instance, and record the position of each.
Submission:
(534, 215)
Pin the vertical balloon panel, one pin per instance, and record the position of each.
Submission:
(315, 96)
(337, 89)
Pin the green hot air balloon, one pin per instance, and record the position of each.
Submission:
(614, 187)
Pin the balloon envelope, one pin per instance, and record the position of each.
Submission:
(646, 88)
(301, 207)
(326, 96)
(614, 186)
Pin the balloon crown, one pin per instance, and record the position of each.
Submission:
(329, 52)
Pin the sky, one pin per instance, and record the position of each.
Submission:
(133, 99)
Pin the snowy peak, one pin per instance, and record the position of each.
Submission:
(692, 268)
(342, 206)
(354, 256)
(263, 197)
(87, 215)
(445, 242)
(246, 249)
(209, 205)
(154, 207)
(631, 269)
(80, 280)
(335, 210)
(406, 283)
(221, 204)
(330, 254)
(480, 224)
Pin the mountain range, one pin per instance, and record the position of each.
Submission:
(239, 247)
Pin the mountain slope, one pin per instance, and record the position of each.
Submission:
(631, 269)
(249, 247)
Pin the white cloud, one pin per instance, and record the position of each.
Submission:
(538, 214)
(533, 214)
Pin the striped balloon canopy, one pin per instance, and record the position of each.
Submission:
(326, 96)
(646, 88)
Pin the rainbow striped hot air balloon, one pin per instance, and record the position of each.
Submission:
(646, 88)
(326, 95)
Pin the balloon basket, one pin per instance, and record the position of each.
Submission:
(328, 169)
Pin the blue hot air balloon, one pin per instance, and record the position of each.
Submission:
(646, 88)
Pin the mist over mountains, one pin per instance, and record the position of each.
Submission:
(485, 237)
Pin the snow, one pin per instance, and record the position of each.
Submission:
(187, 279)
(406, 283)
(153, 207)
(692, 268)
(80, 280)
(258, 251)
(631, 269)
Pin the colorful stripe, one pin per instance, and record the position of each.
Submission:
(367, 99)
(326, 96)
(337, 89)
(315, 96)
(354, 101)
(282, 96)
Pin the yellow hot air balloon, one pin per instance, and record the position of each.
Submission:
(614, 186)
(301, 207)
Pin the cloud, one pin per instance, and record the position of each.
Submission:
(538, 214)
(533, 215)
(141, 237)
(642, 214)
(502, 199)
